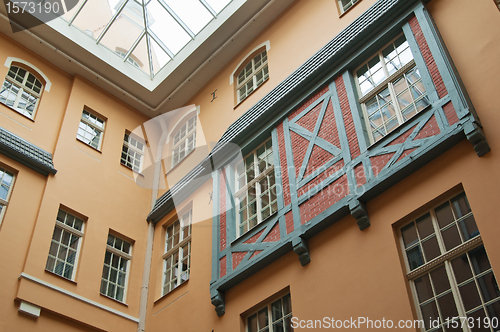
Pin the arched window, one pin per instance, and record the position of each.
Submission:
(254, 73)
(184, 140)
(21, 91)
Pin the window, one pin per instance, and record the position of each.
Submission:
(132, 152)
(21, 91)
(274, 317)
(115, 269)
(129, 59)
(450, 273)
(177, 253)
(346, 4)
(90, 130)
(497, 2)
(391, 89)
(252, 76)
(255, 187)
(184, 141)
(65, 245)
(6, 181)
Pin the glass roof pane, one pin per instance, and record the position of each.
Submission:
(158, 55)
(166, 28)
(140, 55)
(192, 13)
(126, 28)
(218, 5)
(93, 17)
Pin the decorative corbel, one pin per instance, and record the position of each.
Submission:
(476, 137)
(219, 303)
(301, 248)
(358, 211)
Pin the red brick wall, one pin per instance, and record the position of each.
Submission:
(324, 199)
(318, 158)
(330, 171)
(273, 235)
(254, 238)
(237, 258)
(222, 210)
(348, 121)
(431, 128)
(428, 58)
(379, 162)
(307, 103)
(299, 148)
(223, 266)
(289, 222)
(451, 114)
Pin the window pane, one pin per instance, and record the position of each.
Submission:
(440, 280)
(468, 228)
(431, 248)
(276, 310)
(263, 318)
(414, 257)
(479, 259)
(410, 236)
(451, 237)
(461, 269)
(429, 312)
(447, 306)
(470, 296)
(424, 289)
(444, 215)
(424, 226)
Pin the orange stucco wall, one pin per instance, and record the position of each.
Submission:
(352, 273)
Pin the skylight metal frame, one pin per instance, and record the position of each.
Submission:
(66, 27)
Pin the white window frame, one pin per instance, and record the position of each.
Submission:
(247, 77)
(91, 121)
(444, 259)
(243, 186)
(345, 7)
(6, 185)
(74, 232)
(122, 249)
(173, 276)
(130, 60)
(130, 146)
(184, 140)
(270, 319)
(35, 91)
(388, 83)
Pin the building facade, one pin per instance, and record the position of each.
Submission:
(329, 164)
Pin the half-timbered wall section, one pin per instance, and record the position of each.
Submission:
(326, 163)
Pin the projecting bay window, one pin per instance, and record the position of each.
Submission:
(65, 245)
(177, 257)
(184, 141)
(449, 271)
(390, 88)
(252, 76)
(274, 317)
(255, 187)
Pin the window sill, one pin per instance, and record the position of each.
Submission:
(257, 88)
(60, 276)
(21, 114)
(114, 300)
(180, 162)
(173, 291)
(130, 169)
(90, 146)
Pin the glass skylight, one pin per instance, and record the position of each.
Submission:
(145, 34)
